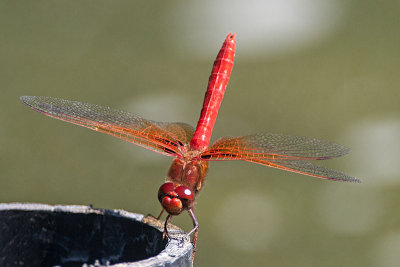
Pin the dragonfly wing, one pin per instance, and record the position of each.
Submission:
(182, 132)
(280, 151)
(274, 146)
(162, 137)
(306, 168)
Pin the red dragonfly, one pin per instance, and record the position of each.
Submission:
(190, 147)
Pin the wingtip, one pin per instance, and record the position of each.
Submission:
(26, 99)
(350, 179)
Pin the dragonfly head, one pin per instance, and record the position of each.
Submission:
(175, 198)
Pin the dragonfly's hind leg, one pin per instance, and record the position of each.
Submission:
(159, 216)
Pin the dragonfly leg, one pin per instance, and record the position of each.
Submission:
(165, 233)
(159, 216)
(195, 230)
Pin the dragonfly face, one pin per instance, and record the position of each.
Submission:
(175, 198)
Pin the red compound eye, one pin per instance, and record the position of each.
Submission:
(184, 192)
(165, 189)
(175, 199)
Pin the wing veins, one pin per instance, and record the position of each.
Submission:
(164, 138)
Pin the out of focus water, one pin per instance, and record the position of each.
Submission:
(324, 69)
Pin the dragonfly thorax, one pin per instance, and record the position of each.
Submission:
(188, 172)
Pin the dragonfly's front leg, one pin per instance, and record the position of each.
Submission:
(165, 233)
(195, 230)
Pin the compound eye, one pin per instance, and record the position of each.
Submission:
(165, 189)
(184, 192)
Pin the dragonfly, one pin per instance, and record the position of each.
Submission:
(190, 147)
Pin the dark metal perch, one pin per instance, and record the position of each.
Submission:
(44, 235)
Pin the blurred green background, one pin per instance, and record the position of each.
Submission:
(323, 69)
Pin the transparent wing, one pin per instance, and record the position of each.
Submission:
(284, 152)
(162, 137)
